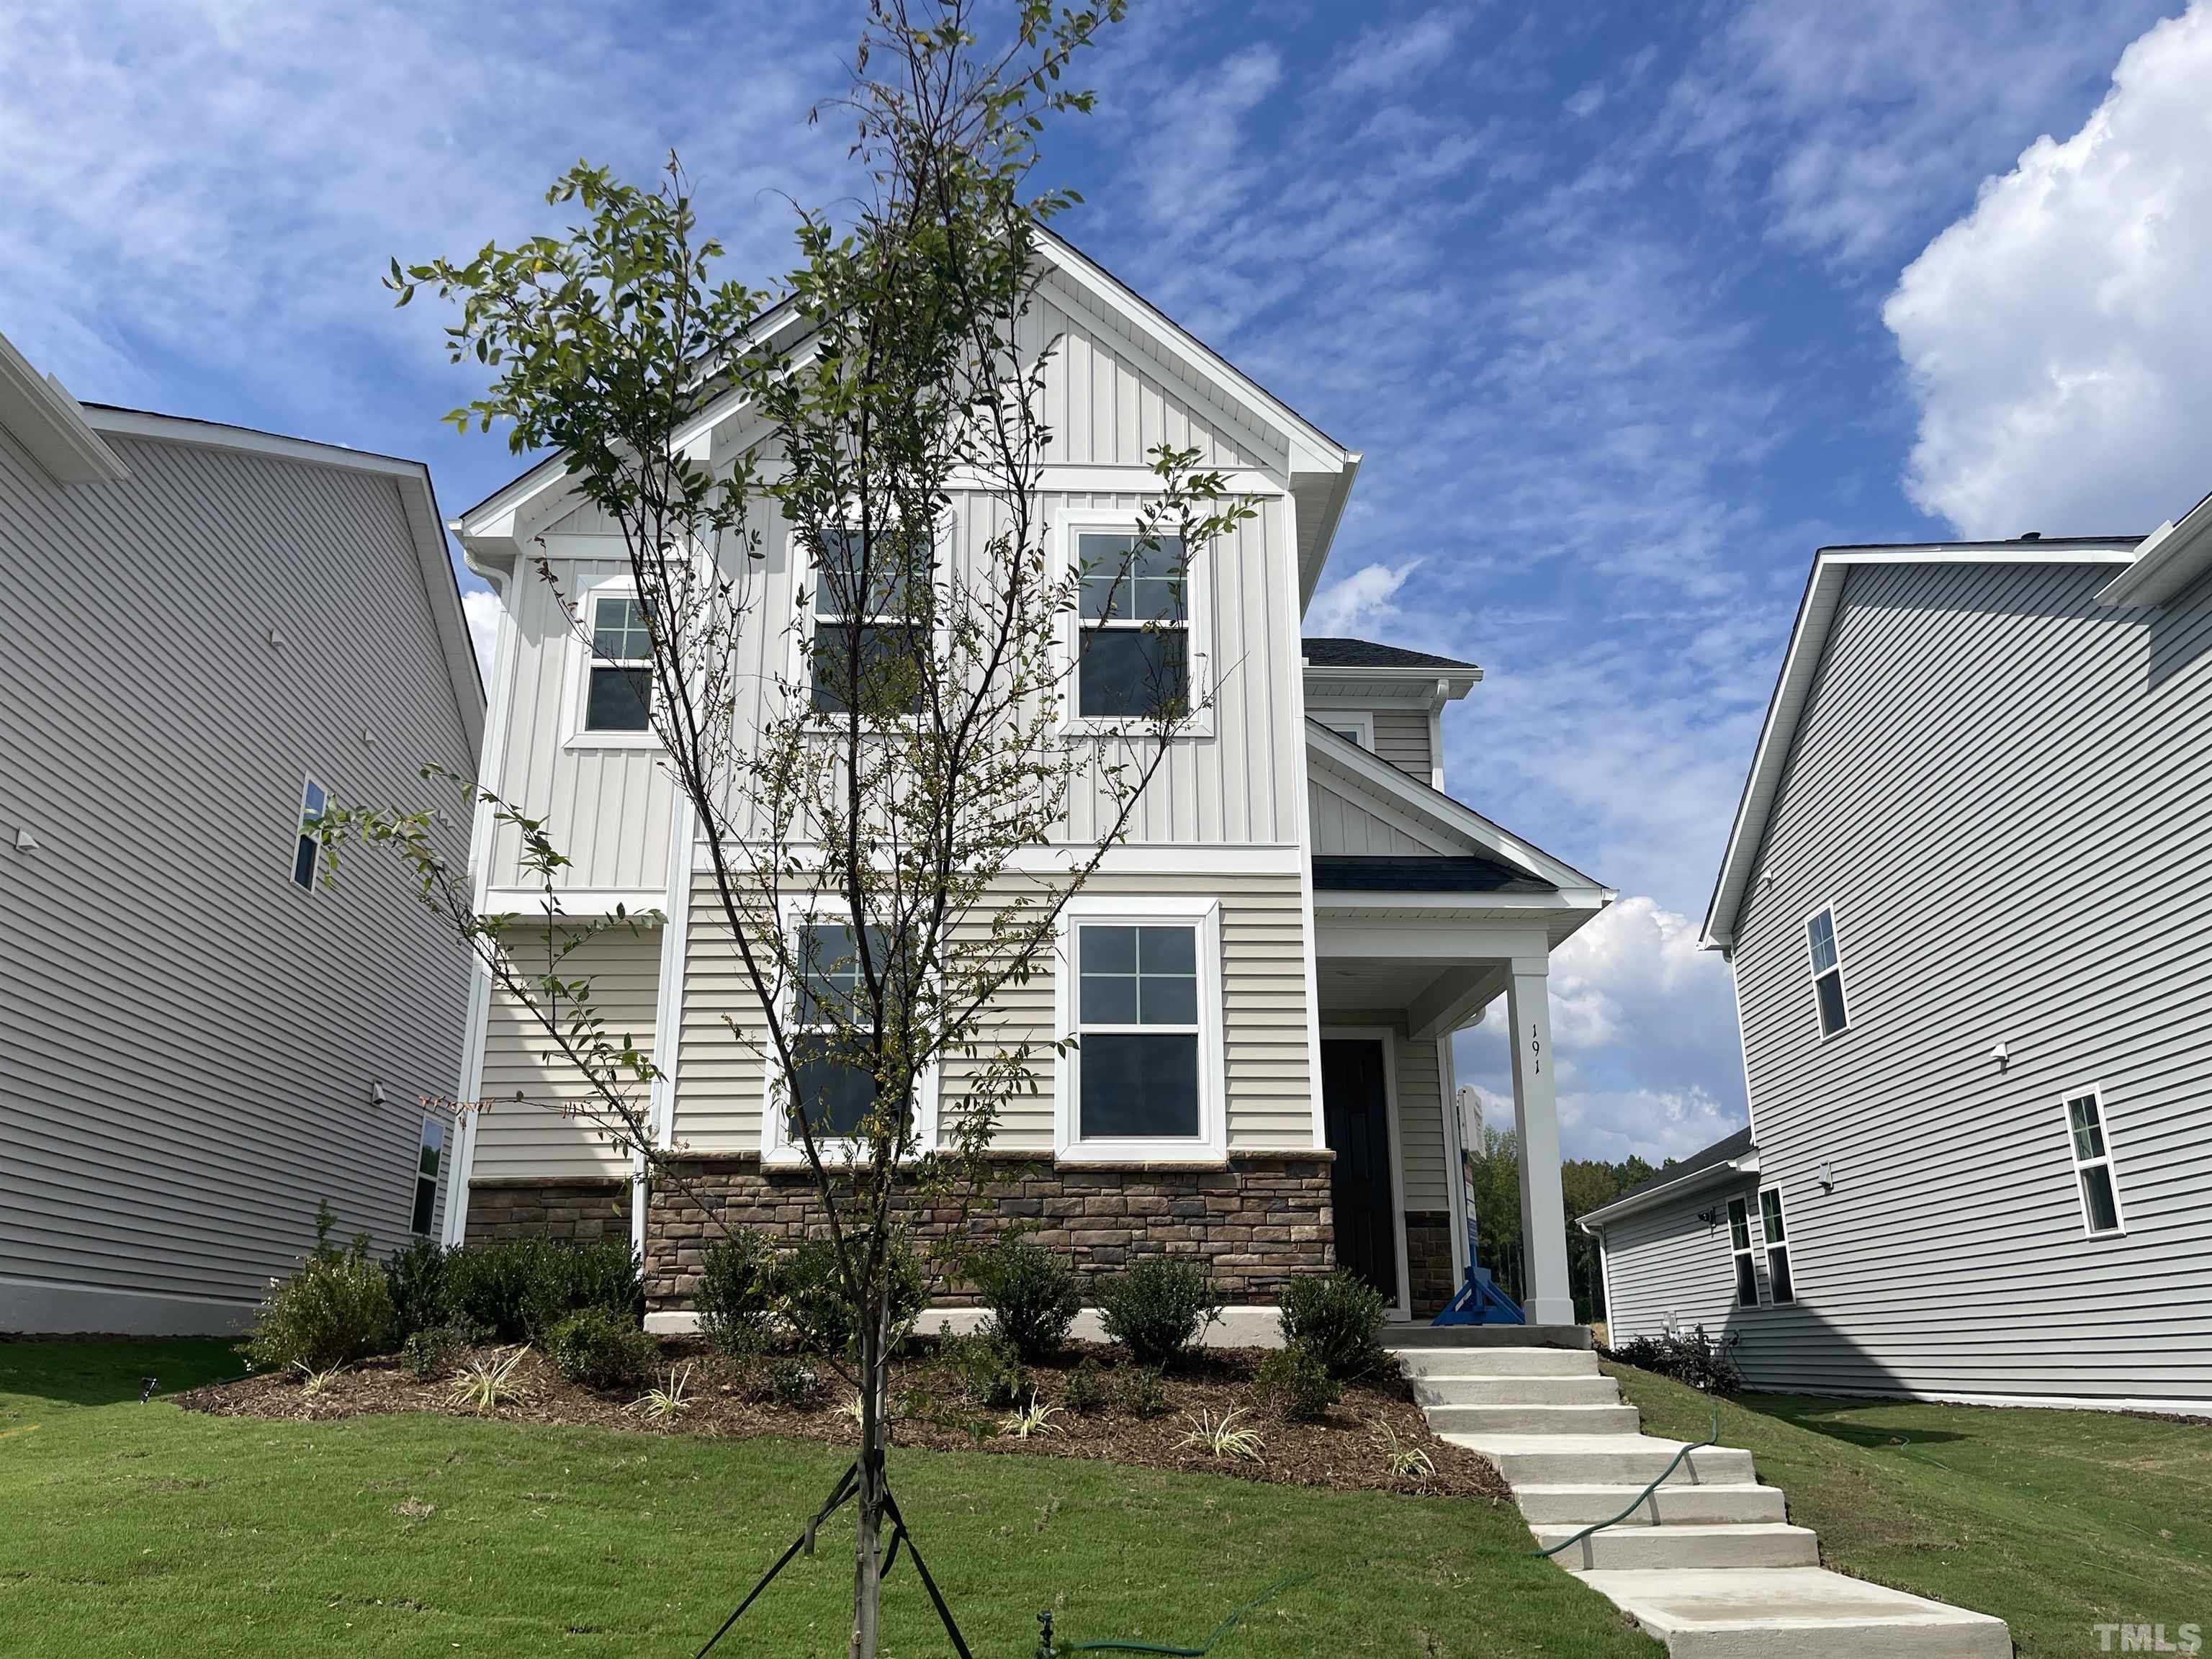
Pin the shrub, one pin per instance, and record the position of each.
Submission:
(601, 1350)
(334, 1311)
(1157, 1308)
(521, 1287)
(1087, 1388)
(1031, 1294)
(437, 1350)
(794, 1386)
(421, 1287)
(809, 1293)
(1338, 1319)
(736, 1293)
(1694, 1359)
(990, 1369)
(1296, 1386)
(1145, 1393)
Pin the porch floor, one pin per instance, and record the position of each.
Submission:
(1425, 1335)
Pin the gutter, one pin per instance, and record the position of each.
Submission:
(1713, 1174)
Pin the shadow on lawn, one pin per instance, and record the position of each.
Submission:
(108, 1372)
(1825, 1414)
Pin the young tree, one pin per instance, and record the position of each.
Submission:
(860, 809)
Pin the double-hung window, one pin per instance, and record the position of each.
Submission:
(2093, 1163)
(1141, 998)
(430, 1152)
(1746, 1271)
(831, 1089)
(867, 609)
(618, 686)
(1135, 622)
(307, 850)
(1774, 1234)
(1828, 971)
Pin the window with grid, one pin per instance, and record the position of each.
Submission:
(1746, 1274)
(830, 1088)
(1137, 1026)
(1136, 627)
(1827, 972)
(1775, 1237)
(429, 1154)
(307, 848)
(2093, 1163)
(619, 696)
(878, 618)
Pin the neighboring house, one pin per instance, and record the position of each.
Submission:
(1968, 902)
(1342, 916)
(211, 632)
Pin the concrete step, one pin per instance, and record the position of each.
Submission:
(1439, 1363)
(1721, 1544)
(1804, 1613)
(1516, 1391)
(1605, 1460)
(1486, 1336)
(1534, 1419)
(1671, 1506)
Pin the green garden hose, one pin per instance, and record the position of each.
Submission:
(1713, 1439)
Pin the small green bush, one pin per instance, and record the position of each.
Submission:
(521, 1287)
(601, 1349)
(794, 1386)
(1693, 1358)
(1031, 1293)
(1157, 1308)
(1338, 1319)
(736, 1297)
(438, 1350)
(809, 1293)
(1087, 1388)
(1145, 1393)
(1296, 1386)
(335, 1310)
(421, 1286)
(990, 1369)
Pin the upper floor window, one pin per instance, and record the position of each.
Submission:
(308, 850)
(619, 695)
(2093, 1163)
(1747, 1272)
(1828, 971)
(1141, 997)
(1774, 1234)
(865, 608)
(1135, 617)
(429, 1154)
(1352, 725)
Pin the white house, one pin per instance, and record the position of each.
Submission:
(212, 632)
(1338, 916)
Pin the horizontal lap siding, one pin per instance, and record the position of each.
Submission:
(1668, 1263)
(1402, 739)
(191, 1041)
(522, 1133)
(2000, 786)
(1421, 1125)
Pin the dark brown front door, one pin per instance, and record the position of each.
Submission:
(1356, 1113)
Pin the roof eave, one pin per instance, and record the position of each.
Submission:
(2168, 559)
(50, 425)
(1697, 1181)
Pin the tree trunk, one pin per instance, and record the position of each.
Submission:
(868, 1551)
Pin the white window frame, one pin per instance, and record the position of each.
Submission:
(307, 781)
(446, 1136)
(779, 1149)
(1843, 975)
(1211, 1144)
(799, 670)
(1749, 1254)
(1767, 1246)
(1197, 632)
(2109, 1160)
(580, 662)
(1362, 720)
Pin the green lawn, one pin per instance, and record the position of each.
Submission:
(144, 1529)
(2053, 1520)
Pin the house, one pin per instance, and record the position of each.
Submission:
(1339, 914)
(1968, 902)
(211, 633)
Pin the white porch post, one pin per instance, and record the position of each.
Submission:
(1543, 1213)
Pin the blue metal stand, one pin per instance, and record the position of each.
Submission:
(1480, 1302)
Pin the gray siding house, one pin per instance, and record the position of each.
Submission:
(211, 632)
(1968, 902)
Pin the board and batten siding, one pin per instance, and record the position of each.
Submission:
(191, 1043)
(722, 1069)
(2000, 786)
(1344, 825)
(1666, 1264)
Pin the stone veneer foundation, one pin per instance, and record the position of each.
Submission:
(1429, 1261)
(547, 1209)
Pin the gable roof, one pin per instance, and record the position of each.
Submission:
(1800, 666)
(1468, 872)
(1330, 652)
(1731, 1155)
(39, 413)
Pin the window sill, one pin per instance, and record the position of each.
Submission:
(1106, 729)
(611, 740)
(1143, 1155)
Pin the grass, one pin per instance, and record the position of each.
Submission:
(129, 1529)
(2052, 1521)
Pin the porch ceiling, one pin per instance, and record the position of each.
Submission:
(1429, 998)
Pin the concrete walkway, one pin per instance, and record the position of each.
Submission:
(1708, 1562)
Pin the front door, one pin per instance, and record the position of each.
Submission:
(1356, 1113)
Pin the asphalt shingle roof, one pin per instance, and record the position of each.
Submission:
(1366, 654)
(1467, 874)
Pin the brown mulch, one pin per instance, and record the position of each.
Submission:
(732, 1399)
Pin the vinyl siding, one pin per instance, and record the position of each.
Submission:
(1401, 737)
(1347, 826)
(191, 1041)
(723, 1067)
(1666, 1262)
(1999, 786)
(1421, 1125)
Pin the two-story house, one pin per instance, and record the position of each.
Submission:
(1335, 915)
(212, 633)
(1968, 902)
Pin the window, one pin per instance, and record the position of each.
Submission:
(1828, 971)
(1135, 617)
(307, 850)
(834, 1094)
(880, 624)
(1139, 996)
(1746, 1275)
(1352, 725)
(618, 696)
(2093, 1164)
(1777, 1239)
(432, 1150)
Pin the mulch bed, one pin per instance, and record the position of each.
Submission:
(734, 1398)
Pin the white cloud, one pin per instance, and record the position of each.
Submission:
(482, 609)
(1387, 57)
(2057, 336)
(1587, 102)
(1360, 602)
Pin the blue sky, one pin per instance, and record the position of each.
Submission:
(1630, 307)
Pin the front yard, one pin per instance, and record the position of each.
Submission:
(129, 1529)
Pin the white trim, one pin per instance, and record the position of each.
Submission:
(1605, 1284)
(1437, 747)
(531, 902)
(1842, 985)
(39, 413)
(1747, 1255)
(667, 1012)
(2048, 1402)
(1767, 1247)
(1712, 1174)
(2166, 561)
(1387, 1036)
(465, 1128)
(1071, 479)
(300, 834)
(1455, 1155)
(2110, 1160)
(1127, 858)
(1302, 810)
(580, 658)
(1203, 916)
(1335, 718)
(1199, 573)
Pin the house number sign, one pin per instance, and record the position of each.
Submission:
(1536, 1048)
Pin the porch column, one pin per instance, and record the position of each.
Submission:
(1543, 1213)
